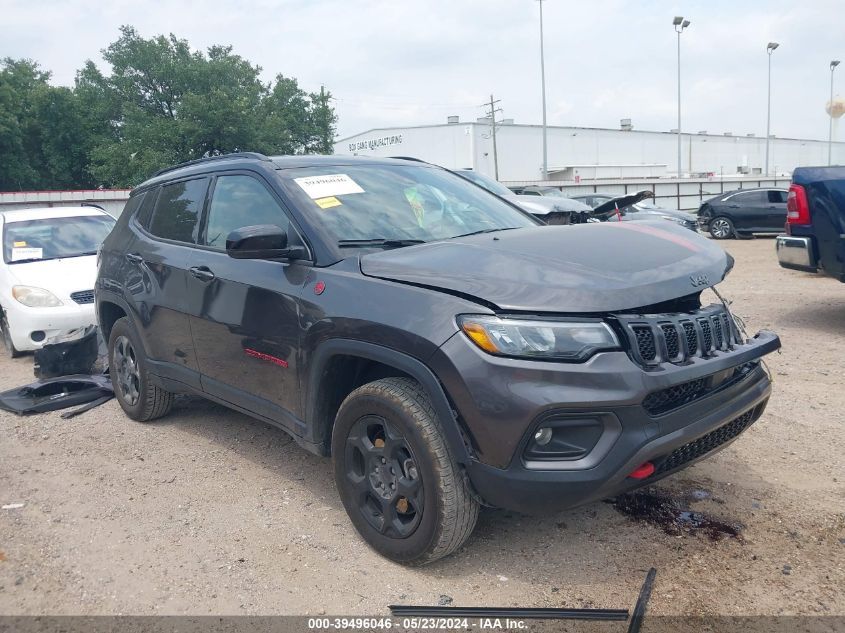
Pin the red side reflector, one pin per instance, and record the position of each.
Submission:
(642, 471)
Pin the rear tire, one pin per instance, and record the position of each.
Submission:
(721, 228)
(8, 345)
(138, 397)
(398, 481)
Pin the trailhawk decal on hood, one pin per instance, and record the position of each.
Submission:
(576, 269)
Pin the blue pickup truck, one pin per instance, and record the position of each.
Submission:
(815, 222)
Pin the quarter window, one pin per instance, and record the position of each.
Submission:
(240, 201)
(177, 211)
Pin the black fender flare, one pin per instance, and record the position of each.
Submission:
(404, 363)
(107, 296)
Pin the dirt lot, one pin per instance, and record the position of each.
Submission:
(207, 511)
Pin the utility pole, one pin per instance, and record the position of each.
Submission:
(833, 65)
(543, 84)
(770, 47)
(491, 113)
(680, 24)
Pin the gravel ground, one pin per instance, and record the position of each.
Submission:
(209, 512)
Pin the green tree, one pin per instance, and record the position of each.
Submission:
(21, 81)
(44, 140)
(161, 103)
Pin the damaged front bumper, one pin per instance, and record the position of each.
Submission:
(612, 409)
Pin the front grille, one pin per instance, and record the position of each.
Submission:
(676, 396)
(677, 337)
(83, 296)
(709, 442)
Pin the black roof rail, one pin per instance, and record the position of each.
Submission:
(253, 155)
(416, 160)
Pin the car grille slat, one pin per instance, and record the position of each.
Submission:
(708, 336)
(83, 296)
(673, 343)
(692, 337)
(678, 337)
(645, 342)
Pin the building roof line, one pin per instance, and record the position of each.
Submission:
(585, 128)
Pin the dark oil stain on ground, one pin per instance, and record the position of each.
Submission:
(674, 515)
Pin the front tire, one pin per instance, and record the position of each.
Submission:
(138, 397)
(398, 481)
(721, 228)
(8, 345)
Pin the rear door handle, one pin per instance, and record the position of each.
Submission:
(203, 273)
(134, 258)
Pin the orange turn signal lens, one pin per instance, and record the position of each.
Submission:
(479, 336)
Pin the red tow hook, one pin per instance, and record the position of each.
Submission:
(642, 471)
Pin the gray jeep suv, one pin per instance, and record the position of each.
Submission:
(445, 348)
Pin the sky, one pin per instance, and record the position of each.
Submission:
(415, 62)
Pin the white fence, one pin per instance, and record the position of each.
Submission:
(112, 200)
(685, 194)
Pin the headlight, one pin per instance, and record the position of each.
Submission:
(35, 297)
(671, 219)
(523, 338)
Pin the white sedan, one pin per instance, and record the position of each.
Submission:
(47, 273)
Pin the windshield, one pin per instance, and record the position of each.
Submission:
(54, 238)
(489, 184)
(402, 204)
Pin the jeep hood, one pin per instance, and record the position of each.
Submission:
(583, 268)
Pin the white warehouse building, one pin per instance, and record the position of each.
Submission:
(578, 153)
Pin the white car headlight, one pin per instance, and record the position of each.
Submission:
(536, 338)
(35, 297)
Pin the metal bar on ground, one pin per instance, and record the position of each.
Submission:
(642, 602)
(536, 613)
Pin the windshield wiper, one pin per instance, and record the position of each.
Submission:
(507, 228)
(379, 242)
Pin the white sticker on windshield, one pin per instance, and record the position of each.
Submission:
(328, 185)
(19, 254)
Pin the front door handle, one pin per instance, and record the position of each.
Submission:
(134, 258)
(203, 273)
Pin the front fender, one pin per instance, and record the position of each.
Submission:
(319, 431)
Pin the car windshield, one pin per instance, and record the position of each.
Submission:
(489, 184)
(54, 238)
(397, 205)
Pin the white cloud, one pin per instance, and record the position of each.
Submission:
(417, 61)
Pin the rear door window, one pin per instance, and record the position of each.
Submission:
(777, 197)
(178, 209)
(240, 201)
(750, 199)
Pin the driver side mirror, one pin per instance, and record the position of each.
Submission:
(261, 241)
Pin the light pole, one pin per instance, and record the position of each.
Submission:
(543, 84)
(680, 24)
(770, 47)
(833, 65)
